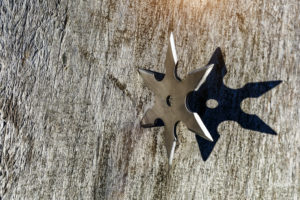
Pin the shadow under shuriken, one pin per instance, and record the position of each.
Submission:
(229, 101)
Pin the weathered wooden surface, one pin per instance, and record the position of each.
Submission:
(71, 99)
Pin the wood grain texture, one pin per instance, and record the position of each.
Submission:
(71, 99)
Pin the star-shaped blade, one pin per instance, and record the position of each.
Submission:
(170, 99)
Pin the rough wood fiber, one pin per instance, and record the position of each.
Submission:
(71, 99)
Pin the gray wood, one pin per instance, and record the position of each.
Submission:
(71, 99)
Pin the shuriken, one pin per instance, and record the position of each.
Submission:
(171, 99)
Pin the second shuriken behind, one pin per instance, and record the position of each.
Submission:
(171, 99)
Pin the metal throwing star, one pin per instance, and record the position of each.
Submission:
(170, 99)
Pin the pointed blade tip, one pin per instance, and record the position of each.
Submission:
(172, 42)
(206, 135)
(210, 138)
(140, 70)
(145, 73)
(208, 70)
(210, 65)
(172, 153)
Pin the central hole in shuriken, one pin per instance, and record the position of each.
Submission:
(168, 100)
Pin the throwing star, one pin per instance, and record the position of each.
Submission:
(171, 99)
